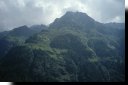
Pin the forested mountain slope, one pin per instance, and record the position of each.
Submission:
(75, 48)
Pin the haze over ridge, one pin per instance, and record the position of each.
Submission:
(15, 13)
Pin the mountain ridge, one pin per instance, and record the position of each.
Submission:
(75, 48)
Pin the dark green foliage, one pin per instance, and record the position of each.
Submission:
(14, 37)
(67, 41)
(74, 48)
(105, 48)
(45, 68)
(15, 65)
(4, 47)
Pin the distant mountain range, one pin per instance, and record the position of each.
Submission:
(74, 48)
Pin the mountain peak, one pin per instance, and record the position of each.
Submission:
(75, 13)
(21, 28)
(74, 19)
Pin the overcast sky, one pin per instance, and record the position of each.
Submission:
(14, 13)
(126, 4)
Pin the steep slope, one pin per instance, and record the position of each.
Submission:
(2, 34)
(38, 28)
(73, 19)
(74, 48)
(116, 25)
(15, 37)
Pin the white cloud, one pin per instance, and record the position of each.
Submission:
(116, 19)
(126, 4)
(15, 13)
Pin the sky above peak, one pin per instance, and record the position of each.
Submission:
(14, 13)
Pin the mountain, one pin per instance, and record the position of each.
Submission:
(2, 34)
(74, 47)
(71, 19)
(38, 28)
(15, 37)
(116, 25)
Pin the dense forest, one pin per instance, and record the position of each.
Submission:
(74, 48)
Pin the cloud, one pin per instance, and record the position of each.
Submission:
(126, 4)
(14, 13)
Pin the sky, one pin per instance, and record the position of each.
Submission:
(14, 13)
(126, 4)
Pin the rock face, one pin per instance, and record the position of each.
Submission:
(73, 48)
